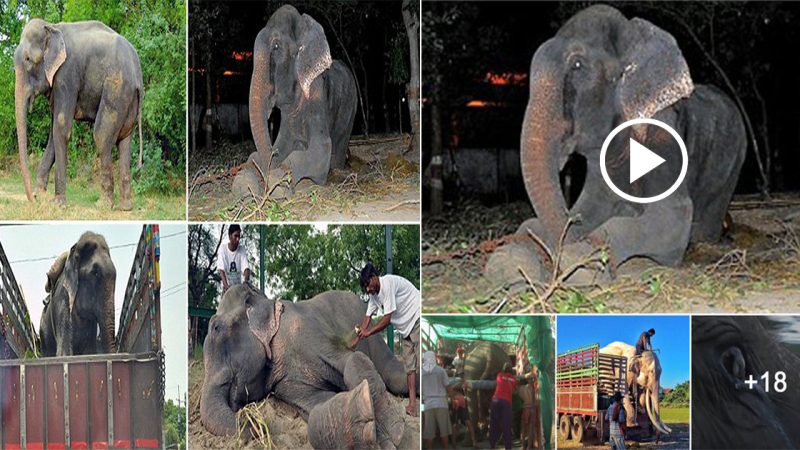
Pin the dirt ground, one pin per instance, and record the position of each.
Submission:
(381, 184)
(678, 439)
(287, 428)
(754, 268)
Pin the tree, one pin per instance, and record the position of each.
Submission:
(411, 21)
(174, 425)
(204, 243)
(678, 396)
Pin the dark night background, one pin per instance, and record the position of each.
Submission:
(221, 37)
(476, 57)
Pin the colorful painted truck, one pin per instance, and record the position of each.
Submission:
(586, 380)
(102, 401)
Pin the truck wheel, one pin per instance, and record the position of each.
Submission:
(577, 428)
(564, 426)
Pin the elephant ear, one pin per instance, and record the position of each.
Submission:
(655, 73)
(54, 272)
(263, 318)
(70, 278)
(313, 54)
(55, 52)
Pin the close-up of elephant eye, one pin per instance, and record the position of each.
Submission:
(576, 64)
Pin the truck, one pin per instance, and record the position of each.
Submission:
(102, 401)
(586, 381)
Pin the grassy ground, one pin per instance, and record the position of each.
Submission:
(82, 198)
(675, 418)
(675, 415)
(753, 269)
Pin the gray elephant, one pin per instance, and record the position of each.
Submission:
(298, 352)
(316, 96)
(483, 362)
(600, 70)
(80, 302)
(89, 73)
(729, 413)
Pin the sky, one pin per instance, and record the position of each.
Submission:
(671, 340)
(23, 242)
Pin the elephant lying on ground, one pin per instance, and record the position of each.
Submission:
(316, 96)
(726, 413)
(643, 377)
(80, 287)
(297, 351)
(599, 71)
(89, 73)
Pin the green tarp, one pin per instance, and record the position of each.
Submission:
(538, 333)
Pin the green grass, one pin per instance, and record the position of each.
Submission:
(674, 415)
(82, 197)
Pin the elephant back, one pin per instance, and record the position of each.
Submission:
(484, 361)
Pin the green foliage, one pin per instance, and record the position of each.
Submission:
(679, 396)
(156, 28)
(174, 425)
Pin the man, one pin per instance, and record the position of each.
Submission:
(458, 362)
(616, 417)
(643, 344)
(400, 302)
(232, 260)
(434, 396)
(501, 407)
(530, 422)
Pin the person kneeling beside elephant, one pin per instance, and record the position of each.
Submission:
(298, 352)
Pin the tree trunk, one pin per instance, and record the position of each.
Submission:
(437, 185)
(411, 21)
(207, 121)
(193, 104)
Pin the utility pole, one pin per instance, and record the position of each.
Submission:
(388, 236)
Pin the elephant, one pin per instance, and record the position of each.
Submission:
(643, 379)
(483, 362)
(88, 73)
(726, 411)
(599, 71)
(299, 353)
(293, 72)
(80, 302)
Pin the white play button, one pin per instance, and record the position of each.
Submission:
(642, 160)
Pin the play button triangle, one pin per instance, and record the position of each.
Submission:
(642, 160)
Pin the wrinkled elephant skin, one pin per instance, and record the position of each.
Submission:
(726, 413)
(293, 72)
(600, 70)
(80, 301)
(297, 352)
(89, 73)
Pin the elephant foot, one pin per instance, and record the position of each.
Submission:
(347, 420)
(61, 200)
(105, 201)
(125, 204)
(389, 419)
(250, 182)
(510, 264)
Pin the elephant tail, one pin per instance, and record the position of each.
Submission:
(141, 142)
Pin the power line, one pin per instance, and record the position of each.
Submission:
(49, 258)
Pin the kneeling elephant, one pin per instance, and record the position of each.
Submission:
(297, 351)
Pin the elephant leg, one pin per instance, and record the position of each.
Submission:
(391, 369)
(522, 254)
(106, 130)
(125, 199)
(43, 172)
(314, 161)
(389, 422)
(63, 114)
(630, 416)
(347, 420)
(661, 232)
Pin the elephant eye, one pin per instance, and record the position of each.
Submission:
(576, 64)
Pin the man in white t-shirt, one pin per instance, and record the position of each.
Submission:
(232, 260)
(400, 302)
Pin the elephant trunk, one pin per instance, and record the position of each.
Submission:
(215, 411)
(108, 337)
(542, 134)
(23, 96)
(262, 99)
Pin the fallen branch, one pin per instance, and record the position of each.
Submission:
(403, 203)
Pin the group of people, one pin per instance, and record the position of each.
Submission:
(446, 406)
(396, 298)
